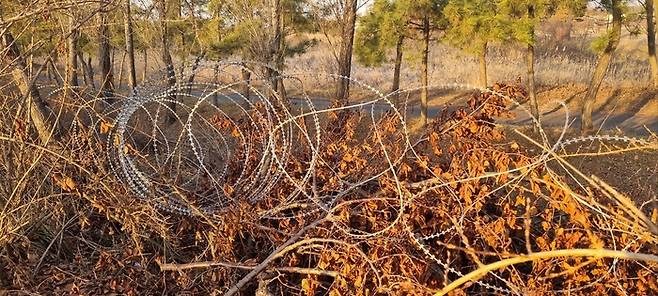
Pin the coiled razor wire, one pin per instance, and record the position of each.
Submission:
(193, 151)
(199, 152)
(174, 146)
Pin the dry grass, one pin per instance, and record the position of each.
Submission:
(559, 62)
(276, 199)
(460, 206)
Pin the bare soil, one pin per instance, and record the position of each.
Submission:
(634, 173)
(633, 110)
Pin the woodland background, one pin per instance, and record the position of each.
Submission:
(339, 147)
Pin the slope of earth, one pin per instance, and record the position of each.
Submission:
(632, 110)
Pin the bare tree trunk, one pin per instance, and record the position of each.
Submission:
(216, 81)
(184, 52)
(86, 71)
(181, 69)
(651, 41)
(601, 68)
(104, 59)
(532, 91)
(280, 86)
(345, 56)
(112, 59)
(281, 90)
(52, 69)
(49, 73)
(71, 59)
(653, 19)
(246, 78)
(193, 73)
(83, 66)
(90, 69)
(530, 64)
(39, 113)
(123, 61)
(483, 66)
(146, 63)
(274, 54)
(130, 48)
(398, 65)
(424, 71)
(166, 58)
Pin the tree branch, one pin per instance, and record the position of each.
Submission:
(203, 264)
(275, 254)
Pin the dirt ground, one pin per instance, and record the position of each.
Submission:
(631, 112)
(630, 109)
(634, 173)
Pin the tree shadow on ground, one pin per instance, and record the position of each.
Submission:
(639, 103)
(552, 111)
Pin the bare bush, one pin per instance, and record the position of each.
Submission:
(244, 195)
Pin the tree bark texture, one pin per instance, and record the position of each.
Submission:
(601, 68)
(424, 71)
(44, 122)
(399, 50)
(530, 65)
(130, 45)
(167, 60)
(345, 56)
(72, 56)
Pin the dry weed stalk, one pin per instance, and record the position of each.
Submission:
(317, 197)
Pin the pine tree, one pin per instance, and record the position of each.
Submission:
(257, 31)
(389, 24)
(385, 26)
(522, 18)
(474, 24)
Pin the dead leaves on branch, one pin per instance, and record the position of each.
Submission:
(470, 184)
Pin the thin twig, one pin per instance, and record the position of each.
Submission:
(275, 254)
(312, 271)
(627, 203)
(204, 264)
